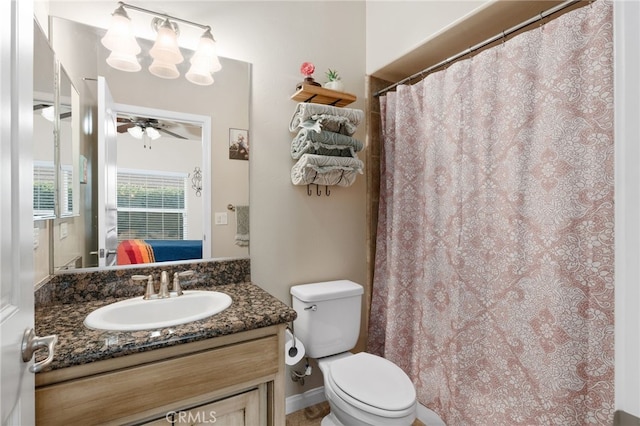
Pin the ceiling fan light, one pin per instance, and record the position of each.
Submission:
(166, 47)
(119, 36)
(152, 133)
(164, 69)
(135, 131)
(199, 73)
(124, 62)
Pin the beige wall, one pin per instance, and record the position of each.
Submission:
(395, 28)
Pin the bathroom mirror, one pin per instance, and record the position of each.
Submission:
(68, 145)
(226, 103)
(55, 132)
(43, 126)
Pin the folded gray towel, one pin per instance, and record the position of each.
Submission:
(341, 120)
(242, 226)
(323, 170)
(308, 141)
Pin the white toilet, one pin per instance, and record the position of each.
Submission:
(362, 389)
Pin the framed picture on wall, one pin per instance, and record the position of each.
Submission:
(238, 144)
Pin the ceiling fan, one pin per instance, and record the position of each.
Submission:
(125, 123)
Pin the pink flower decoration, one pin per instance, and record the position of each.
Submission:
(307, 68)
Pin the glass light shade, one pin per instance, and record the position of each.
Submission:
(48, 113)
(124, 62)
(119, 37)
(207, 51)
(166, 46)
(164, 69)
(152, 133)
(136, 132)
(199, 73)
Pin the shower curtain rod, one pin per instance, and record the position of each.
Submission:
(502, 35)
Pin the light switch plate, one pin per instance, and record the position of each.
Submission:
(36, 238)
(221, 218)
(64, 230)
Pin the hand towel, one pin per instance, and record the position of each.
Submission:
(323, 170)
(305, 111)
(332, 123)
(309, 141)
(242, 226)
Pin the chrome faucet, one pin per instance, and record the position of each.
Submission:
(164, 285)
(150, 291)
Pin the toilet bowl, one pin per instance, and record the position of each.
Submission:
(365, 390)
(362, 389)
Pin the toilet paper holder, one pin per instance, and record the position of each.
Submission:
(293, 350)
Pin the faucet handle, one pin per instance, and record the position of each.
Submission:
(150, 291)
(176, 280)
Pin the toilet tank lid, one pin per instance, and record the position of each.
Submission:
(316, 292)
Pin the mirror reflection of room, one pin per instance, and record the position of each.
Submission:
(225, 102)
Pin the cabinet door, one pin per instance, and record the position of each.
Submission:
(238, 410)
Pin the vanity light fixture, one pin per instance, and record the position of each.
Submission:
(165, 52)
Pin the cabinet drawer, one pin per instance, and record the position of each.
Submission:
(110, 396)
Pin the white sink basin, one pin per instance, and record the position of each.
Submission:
(140, 314)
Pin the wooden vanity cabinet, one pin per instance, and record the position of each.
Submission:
(232, 380)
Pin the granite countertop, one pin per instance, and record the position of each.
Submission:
(252, 308)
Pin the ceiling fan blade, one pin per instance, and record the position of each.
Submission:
(123, 127)
(170, 133)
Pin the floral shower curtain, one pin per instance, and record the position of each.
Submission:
(493, 282)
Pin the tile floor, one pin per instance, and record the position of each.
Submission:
(312, 416)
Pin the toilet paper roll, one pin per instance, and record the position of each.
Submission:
(288, 359)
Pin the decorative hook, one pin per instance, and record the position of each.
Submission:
(326, 191)
(318, 192)
(309, 190)
(196, 181)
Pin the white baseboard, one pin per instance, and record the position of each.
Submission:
(316, 396)
(304, 400)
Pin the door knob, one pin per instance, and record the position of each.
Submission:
(31, 343)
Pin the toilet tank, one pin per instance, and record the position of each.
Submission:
(328, 321)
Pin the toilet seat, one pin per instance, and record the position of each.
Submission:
(372, 384)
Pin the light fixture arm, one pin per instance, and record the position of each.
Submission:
(164, 15)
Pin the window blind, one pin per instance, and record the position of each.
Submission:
(151, 205)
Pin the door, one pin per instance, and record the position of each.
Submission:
(107, 176)
(16, 209)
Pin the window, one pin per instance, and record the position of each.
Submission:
(43, 189)
(66, 189)
(151, 205)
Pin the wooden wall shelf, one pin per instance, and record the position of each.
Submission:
(320, 95)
